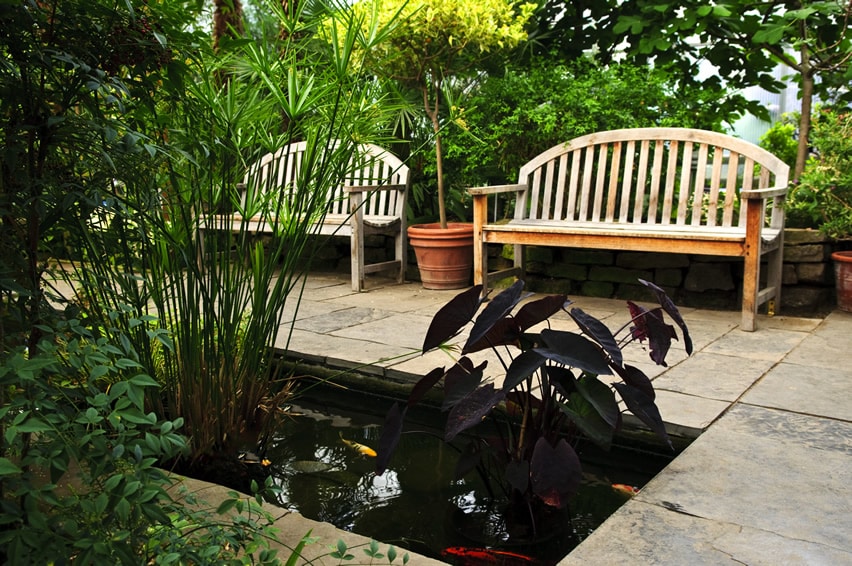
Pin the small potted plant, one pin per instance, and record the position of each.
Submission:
(436, 41)
(823, 195)
(546, 397)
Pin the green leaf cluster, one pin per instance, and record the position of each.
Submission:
(79, 456)
(511, 118)
(822, 198)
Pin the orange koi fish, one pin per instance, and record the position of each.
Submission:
(360, 448)
(471, 556)
(625, 489)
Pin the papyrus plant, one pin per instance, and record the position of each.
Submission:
(219, 292)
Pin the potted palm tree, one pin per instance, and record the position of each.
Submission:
(436, 41)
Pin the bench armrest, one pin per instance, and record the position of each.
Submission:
(370, 188)
(769, 192)
(496, 189)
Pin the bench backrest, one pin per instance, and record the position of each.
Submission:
(648, 176)
(278, 175)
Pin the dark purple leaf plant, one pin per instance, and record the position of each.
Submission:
(547, 395)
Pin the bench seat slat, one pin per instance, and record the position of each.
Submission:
(629, 230)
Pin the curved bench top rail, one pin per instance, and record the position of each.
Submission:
(648, 176)
(370, 166)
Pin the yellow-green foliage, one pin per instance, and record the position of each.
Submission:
(440, 36)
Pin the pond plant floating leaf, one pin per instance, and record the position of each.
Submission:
(452, 317)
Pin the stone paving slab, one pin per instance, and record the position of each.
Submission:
(806, 389)
(766, 344)
(709, 375)
(761, 486)
(646, 534)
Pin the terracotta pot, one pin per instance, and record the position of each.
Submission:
(843, 279)
(444, 256)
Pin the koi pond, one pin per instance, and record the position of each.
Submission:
(321, 461)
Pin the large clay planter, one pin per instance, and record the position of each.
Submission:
(444, 256)
(843, 279)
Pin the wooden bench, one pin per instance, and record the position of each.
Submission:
(370, 199)
(647, 189)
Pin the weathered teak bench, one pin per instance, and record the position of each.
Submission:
(648, 189)
(370, 199)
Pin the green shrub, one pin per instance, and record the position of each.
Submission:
(513, 118)
(823, 197)
(78, 462)
(780, 139)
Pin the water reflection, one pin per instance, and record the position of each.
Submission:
(416, 503)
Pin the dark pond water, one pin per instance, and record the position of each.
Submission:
(416, 504)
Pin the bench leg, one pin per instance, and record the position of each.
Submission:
(480, 251)
(774, 270)
(356, 242)
(399, 243)
(751, 267)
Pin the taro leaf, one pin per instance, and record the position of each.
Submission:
(574, 350)
(673, 312)
(471, 410)
(555, 472)
(452, 317)
(562, 379)
(518, 475)
(660, 336)
(540, 310)
(587, 419)
(597, 330)
(460, 381)
(644, 408)
(635, 377)
(496, 309)
(391, 432)
(425, 384)
(637, 316)
(601, 397)
(469, 458)
(524, 365)
(505, 331)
